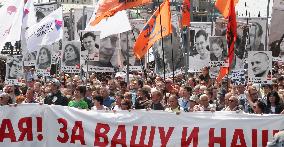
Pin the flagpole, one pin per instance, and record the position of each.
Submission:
(127, 58)
(164, 69)
(266, 31)
(173, 66)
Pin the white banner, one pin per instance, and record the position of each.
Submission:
(53, 126)
(11, 15)
(46, 32)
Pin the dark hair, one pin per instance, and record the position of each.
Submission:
(127, 102)
(201, 32)
(10, 64)
(76, 50)
(81, 89)
(276, 95)
(260, 31)
(261, 105)
(39, 15)
(100, 99)
(275, 46)
(81, 21)
(219, 42)
(91, 34)
(48, 56)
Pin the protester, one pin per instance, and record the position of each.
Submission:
(78, 100)
(55, 96)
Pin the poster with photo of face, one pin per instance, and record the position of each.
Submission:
(43, 9)
(29, 58)
(90, 45)
(43, 60)
(131, 36)
(67, 29)
(56, 52)
(107, 56)
(241, 41)
(257, 27)
(172, 51)
(199, 54)
(70, 60)
(14, 69)
(260, 67)
(218, 51)
(276, 35)
(80, 21)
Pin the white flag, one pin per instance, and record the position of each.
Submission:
(11, 14)
(29, 17)
(112, 25)
(46, 32)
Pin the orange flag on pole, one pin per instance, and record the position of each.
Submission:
(185, 17)
(223, 6)
(231, 39)
(158, 26)
(108, 8)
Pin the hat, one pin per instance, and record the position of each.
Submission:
(56, 82)
(193, 98)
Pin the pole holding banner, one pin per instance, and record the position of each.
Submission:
(266, 30)
(127, 58)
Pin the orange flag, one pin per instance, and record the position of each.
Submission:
(223, 6)
(108, 8)
(231, 39)
(185, 17)
(158, 26)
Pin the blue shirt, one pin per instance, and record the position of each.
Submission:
(108, 101)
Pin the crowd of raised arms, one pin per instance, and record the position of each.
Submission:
(195, 92)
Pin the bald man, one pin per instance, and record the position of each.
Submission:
(260, 64)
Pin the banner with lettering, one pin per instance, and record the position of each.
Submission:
(56, 126)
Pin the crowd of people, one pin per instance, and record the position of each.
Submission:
(196, 92)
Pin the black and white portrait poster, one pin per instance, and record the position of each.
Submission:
(43, 60)
(131, 36)
(260, 67)
(241, 42)
(90, 41)
(257, 27)
(29, 58)
(107, 49)
(67, 27)
(218, 51)
(81, 20)
(43, 9)
(56, 52)
(14, 69)
(199, 53)
(276, 35)
(238, 77)
(70, 60)
(172, 51)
